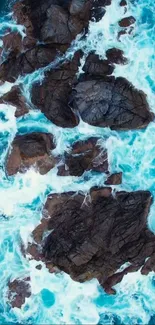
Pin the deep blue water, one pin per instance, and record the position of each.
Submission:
(55, 297)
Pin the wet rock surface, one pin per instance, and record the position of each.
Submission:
(54, 104)
(16, 98)
(115, 55)
(111, 102)
(19, 290)
(114, 179)
(84, 155)
(31, 149)
(93, 236)
(94, 66)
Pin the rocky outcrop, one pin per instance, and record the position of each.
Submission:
(27, 62)
(31, 149)
(19, 290)
(84, 155)
(127, 21)
(111, 102)
(94, 66)
(93, 236)
(116, 56)
(52, 96)
(16, 98)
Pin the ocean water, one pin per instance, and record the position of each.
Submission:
(56, 299)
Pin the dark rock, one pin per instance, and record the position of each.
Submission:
(98, 9)
(31, 149)
(19, 290)
(114, 179)
(16, 98)
(52, 96)
(123, 3)
(94, 236)
(127, 21)
(27, 62)
(116, 56)
(85, 155)
(96, 67)
(68, 19)
(111, 102)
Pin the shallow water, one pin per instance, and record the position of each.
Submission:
(55, 297)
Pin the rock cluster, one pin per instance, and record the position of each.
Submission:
(84, 234)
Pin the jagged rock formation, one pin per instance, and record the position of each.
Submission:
(16, 98)
(19, 290)
(31, 149)
(110, 102)
(84, 155)
(94, 236)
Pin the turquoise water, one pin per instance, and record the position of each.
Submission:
(55, 297)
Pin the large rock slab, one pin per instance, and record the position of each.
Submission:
(31, 149)
(84, 156)
(52, 96)
(111, 102)
(93, 236)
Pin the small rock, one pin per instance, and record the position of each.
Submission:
(15, 97)
(19, 290)
(84, 155)
(114, 179)
(31, 149)
(115, 55)
(127, 21)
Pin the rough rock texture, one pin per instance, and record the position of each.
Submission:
(27, 62)
(115, 55)
(114, 179)
(19, 290)
(15, 97)
(111, 102)
(12, 42)
(84, 155)
(94, 236)
(52, 96)
(31, 149)
(96, 67)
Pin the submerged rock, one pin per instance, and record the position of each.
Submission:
(16, 98)
(31, 149)
(19, 290)
(110, 102)
(52, 96)
(84, 155)
(94, 236)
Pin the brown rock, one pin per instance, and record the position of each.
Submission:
(127, 21)
(85, 155)
(15, 97)
(94, 238)
(116, 56)
(31, 149)
(19, 290)
(52, 96)
(12, 42)
(114, 179)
